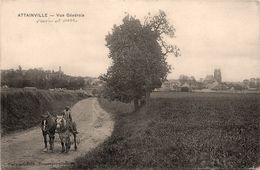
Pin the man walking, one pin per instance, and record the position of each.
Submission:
(67, 116)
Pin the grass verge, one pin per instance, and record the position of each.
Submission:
(21, 109)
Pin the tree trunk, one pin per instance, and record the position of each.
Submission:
(147, 100)
(136, 104)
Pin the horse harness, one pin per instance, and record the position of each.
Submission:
(46, 128)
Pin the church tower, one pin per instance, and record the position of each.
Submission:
(217, 75)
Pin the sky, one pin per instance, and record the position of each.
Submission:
(210, 34)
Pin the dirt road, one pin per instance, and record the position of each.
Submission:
(24, 150)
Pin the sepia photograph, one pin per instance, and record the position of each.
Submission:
(130, 84)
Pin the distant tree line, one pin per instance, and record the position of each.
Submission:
(186, 79)
(42, 79)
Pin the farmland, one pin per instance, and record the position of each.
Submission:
(191, 130)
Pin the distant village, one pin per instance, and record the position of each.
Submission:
(38, 78)
(46, 79)
(209, 83)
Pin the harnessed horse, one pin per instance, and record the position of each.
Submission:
(48, 126)
(64, 130)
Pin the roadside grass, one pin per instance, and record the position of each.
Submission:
(181, 130)
(115, 108)
(22, 109)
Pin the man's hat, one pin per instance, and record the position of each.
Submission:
(46, 114)
(67, 107)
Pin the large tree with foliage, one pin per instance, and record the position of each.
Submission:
(138, 52)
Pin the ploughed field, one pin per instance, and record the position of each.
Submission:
(191, 130)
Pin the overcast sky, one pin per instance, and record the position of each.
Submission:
(210, 34)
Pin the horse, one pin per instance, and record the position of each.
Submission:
(65, 130)
(48, 127)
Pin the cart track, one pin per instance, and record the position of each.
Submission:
(24, 150)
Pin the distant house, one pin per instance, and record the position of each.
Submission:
(216, 86)
(166, 86)
(246, 83)
(237, 86)
(186, 88)
(175, 85)
(209, 79)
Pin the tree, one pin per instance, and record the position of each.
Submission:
(138, 52)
